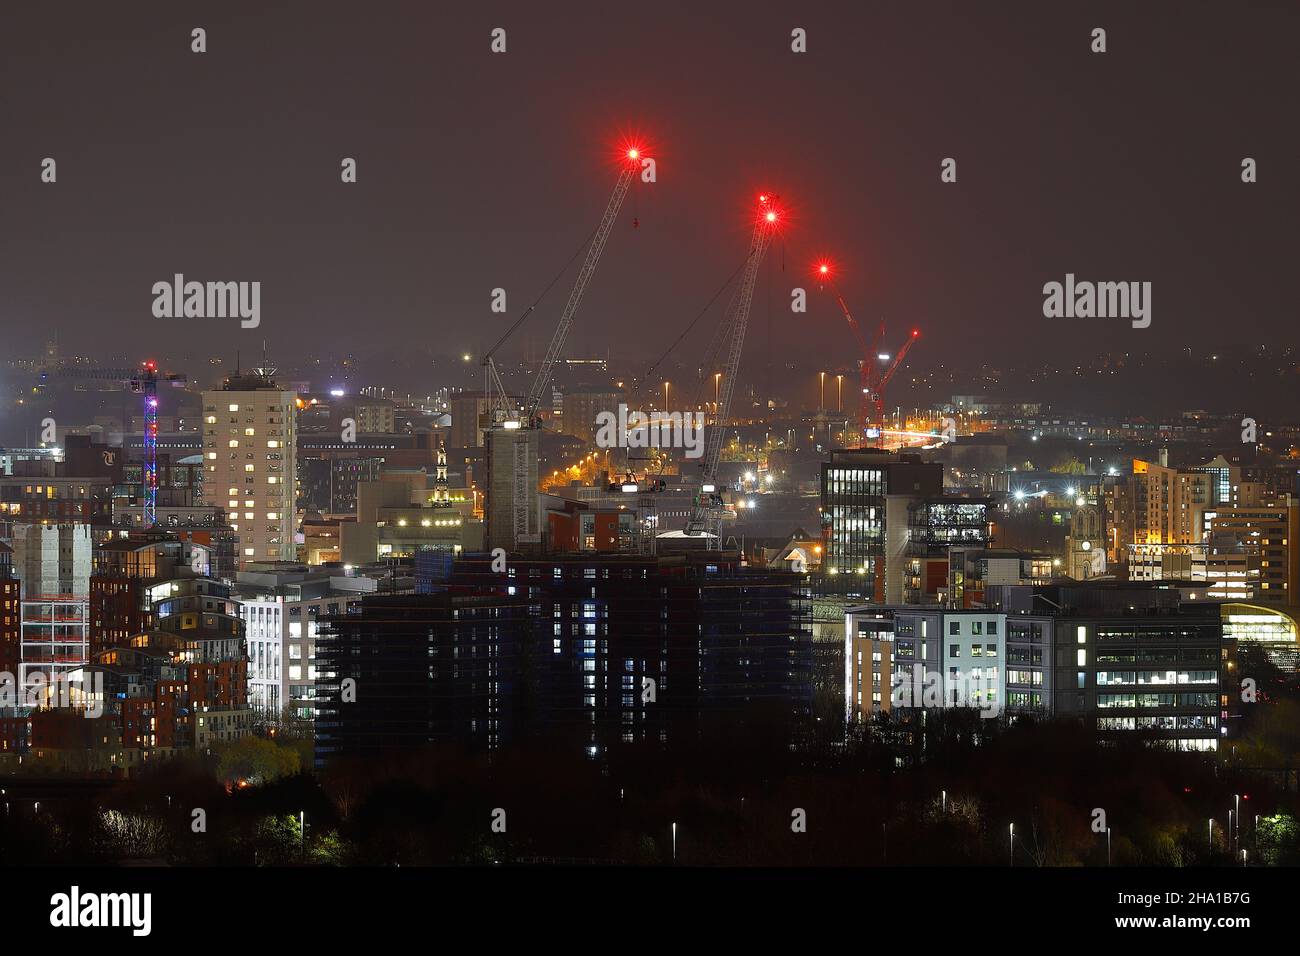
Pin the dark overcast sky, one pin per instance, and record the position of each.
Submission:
(479, 170)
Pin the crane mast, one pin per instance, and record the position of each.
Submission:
(707, 512)
(143, 381)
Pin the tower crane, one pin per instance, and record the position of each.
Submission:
(879, 383)
(512, 437)
(873, 377)
(502, 405)
(707, 512)
(143, 380)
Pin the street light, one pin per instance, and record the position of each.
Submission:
(674, 842)
(1012, 857)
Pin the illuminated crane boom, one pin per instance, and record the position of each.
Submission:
(543, 379)
(872, 380)
(707, 511)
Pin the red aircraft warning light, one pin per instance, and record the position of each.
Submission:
(770, 211)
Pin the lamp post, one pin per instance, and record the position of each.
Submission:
(1211, 843)
(839, 402)
(821, 391)
(1011, 859)
(1108, 846)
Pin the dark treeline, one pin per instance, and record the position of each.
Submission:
(889, 795)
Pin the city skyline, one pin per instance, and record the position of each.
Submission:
(544, 440)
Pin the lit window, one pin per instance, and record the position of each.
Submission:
(234, 408)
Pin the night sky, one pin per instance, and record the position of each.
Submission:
(479, 170)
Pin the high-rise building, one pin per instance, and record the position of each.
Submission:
(1269, 534)
(468, 411)
(53, 559)
(866, 495)
(250, 450)
(281, 608)
(591, 650)
(1157, 505)
(512, 511)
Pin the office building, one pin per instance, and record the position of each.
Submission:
(249, 447)
(281, 607)
(866, 495)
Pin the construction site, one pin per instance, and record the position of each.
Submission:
(659, 501)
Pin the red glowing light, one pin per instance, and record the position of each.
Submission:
(915, 333)
(633, 153)
(771, 212)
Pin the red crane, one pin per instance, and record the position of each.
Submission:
(872, 373)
